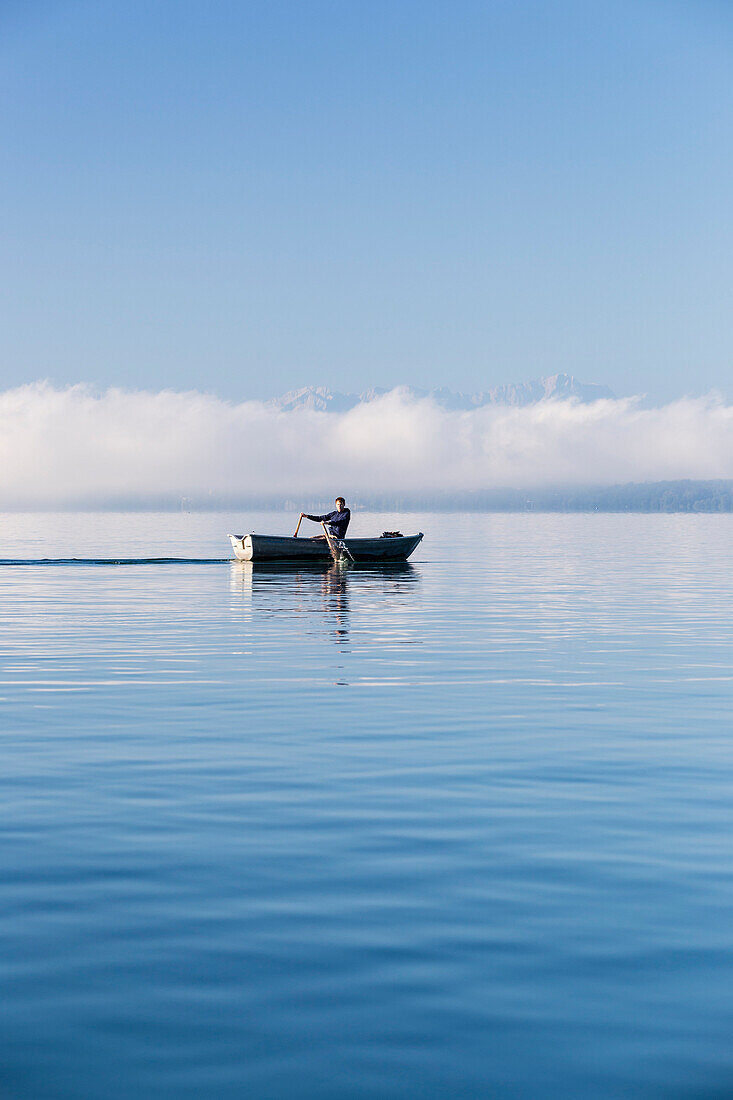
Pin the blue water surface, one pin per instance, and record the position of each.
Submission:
(460, 828)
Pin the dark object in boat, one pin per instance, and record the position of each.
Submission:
(391, 535)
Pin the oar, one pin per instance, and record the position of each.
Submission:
(330, 541)
(298, 527)
(336, 553)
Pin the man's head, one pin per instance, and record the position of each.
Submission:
(340, 503)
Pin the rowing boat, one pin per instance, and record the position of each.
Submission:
(289, 548)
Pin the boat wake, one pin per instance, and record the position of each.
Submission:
(113, 561)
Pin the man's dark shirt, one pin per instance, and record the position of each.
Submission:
(337, 521)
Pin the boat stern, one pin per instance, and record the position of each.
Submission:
(242, 547)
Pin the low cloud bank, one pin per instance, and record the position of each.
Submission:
(75, 447)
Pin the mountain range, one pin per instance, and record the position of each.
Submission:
(556, 387)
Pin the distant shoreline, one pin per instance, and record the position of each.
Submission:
(650, 497)
(658, 497)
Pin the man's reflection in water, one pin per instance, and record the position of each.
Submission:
(335, 592)
(291, 589)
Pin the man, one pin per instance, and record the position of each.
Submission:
(337, 521)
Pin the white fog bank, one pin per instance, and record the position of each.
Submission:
(76, 447)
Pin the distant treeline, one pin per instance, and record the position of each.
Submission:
(656, 496)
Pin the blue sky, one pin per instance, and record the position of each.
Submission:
(248, 197)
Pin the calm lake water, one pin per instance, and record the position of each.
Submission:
(462, 828)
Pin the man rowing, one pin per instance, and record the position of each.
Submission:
(337, 521)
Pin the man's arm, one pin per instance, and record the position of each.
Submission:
(319, 519)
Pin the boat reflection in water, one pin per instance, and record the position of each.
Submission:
(327, 591)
